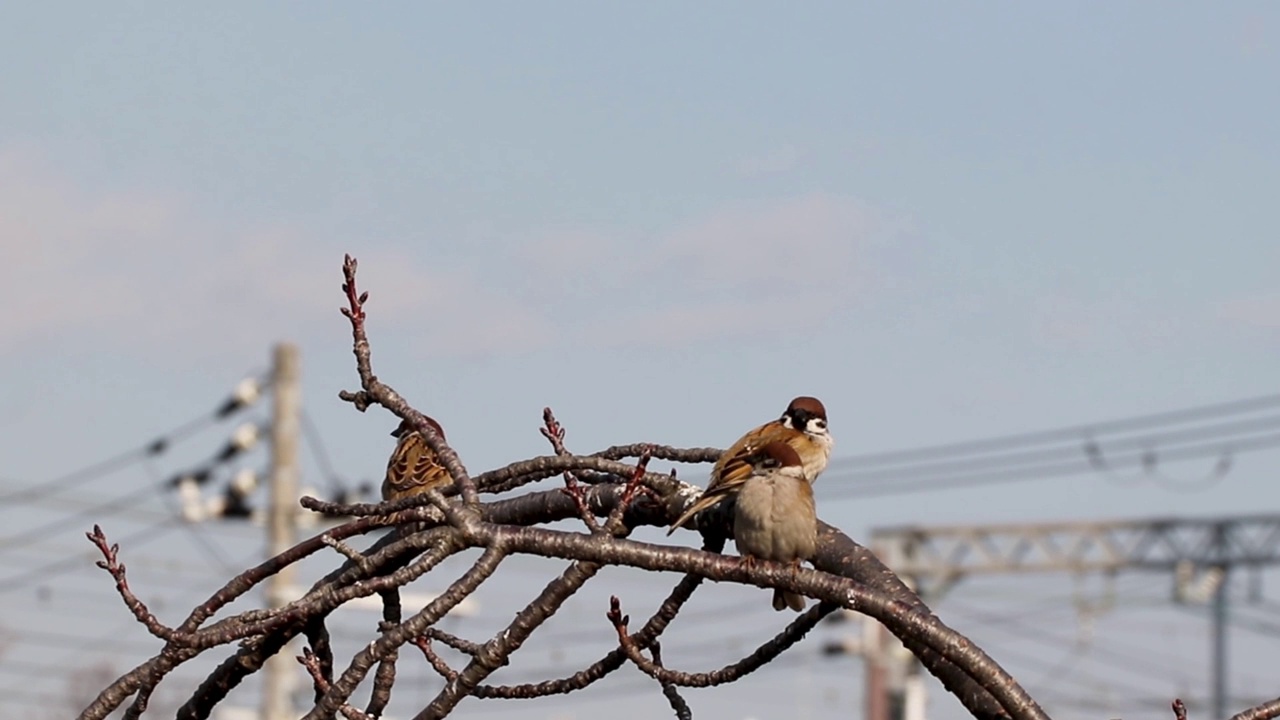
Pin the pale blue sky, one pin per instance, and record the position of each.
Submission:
(947, 220)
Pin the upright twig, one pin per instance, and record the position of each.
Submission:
(375, 391)
(385, 676)
(554, 432)
(111, 563)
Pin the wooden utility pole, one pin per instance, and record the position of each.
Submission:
(281, 670)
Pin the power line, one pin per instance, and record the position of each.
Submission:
(1136, 660)
(212, 551)
(244, 395)
(1245, 444)
(137, 539)
(1081, 448)
(96, 470)
(1040, 437)
(240, 442)
(320, 452)
(40, 532)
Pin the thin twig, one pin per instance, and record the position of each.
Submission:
(348, 552)
(554, 432)
(312, 664)
(729, 673)
(406, 631)
(423, 642)
(496, 653)
(112, 565)
(318, 639)
(633, 488)
(463, 646)
(320, 600)
(375, 391)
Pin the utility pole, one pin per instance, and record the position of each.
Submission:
(875, 662)
(282, 519)
(1219, 627)
(895, 688)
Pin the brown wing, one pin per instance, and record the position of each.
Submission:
(735, 465)
(413, 468)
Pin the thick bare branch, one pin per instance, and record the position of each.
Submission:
(1265, 711)
(385, 677)
(669, 690)
(900, 618)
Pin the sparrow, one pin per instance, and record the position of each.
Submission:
(774, 517)
(803, 426)
(413, 467)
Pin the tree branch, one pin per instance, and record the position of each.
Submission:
(112, 565)
(386, 674)
(406, 631)
(375, 391)
(900, 618)
(793, 634)
(1265, 711)
(669, 690)
(432, 527)
(313, 666)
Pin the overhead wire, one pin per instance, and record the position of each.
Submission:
(110, 465)
(43, 530)
(1117, 655)
(212, 551)
(320, 453)
(124, 502)
(1038, 472)
(1040, 437)
(1081, 448)
(244, 395)
(30, 576)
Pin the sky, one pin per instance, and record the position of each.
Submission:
(948, 221)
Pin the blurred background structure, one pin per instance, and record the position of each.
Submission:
(1025, 255)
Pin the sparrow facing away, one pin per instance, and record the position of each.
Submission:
(774, 517)
(803, 426)
(413, 467)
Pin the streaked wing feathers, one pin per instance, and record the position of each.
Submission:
(734, 467)
(413, 467)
